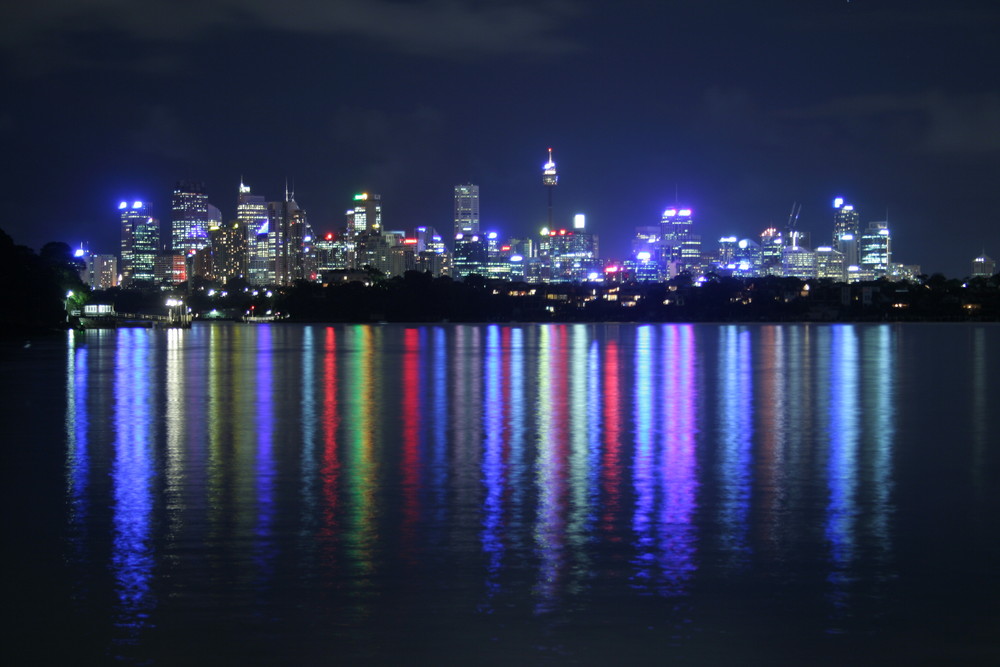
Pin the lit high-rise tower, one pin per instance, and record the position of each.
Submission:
(366, 216)
(680, 246)
(189, 219)
(549, 179)
(140, 242)
(252, 213)
(466, 209)
(875, 249)
(845, 231)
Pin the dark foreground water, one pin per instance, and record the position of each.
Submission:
(792, 494)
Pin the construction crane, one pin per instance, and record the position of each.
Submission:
(793, 219)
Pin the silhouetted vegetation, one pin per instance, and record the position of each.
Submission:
(35, 286)
(417, 297)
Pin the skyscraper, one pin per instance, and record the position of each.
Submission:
(681, 248)
(366, 216)
(876, 249)
(983, 266)
(140, 243)
(229, 251)
(189, 217)
(251, 211)
(470, 256)
(466, 210)
(845, 231)
(101, 271)
(364, 229)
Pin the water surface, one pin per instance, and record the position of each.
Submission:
(538, 493)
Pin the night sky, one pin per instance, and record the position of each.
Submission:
(740, 108)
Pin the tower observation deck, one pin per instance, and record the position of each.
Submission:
(549, 179)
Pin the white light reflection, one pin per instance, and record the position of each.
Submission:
(842, 466)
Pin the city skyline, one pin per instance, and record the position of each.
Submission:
(740, 111)
(282, 245)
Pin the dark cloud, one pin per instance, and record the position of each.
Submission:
(929, 122)
(163, 135)
(35, 32)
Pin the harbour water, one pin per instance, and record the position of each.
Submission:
(504, 494)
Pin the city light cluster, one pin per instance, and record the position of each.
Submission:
(273, 243)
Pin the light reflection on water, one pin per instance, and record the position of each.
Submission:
(348, 476)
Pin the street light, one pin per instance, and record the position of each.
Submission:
(69, 295)
(171, 304)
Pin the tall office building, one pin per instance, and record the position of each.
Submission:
(845, 231)
(830, 264)
(680, 246)
(252, 213)
(229, 251)
(798, 262)
(470, 256)
(366, 216)
(189, 217)
(875, 249)
(251, 210)
(727, 250)
(466, 210)
(983, 266)
(771, 245)
(101, 271)
(140, 243)
(289, 241)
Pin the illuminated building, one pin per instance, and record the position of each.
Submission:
(251, 211)
(291, 237)
(645, 267)
(910, 272)
(526, 248)
(403, 257)
(550, 179)
(431, 253)
(845, 231)
(364, 233)
(771, 245)
(469, 257)
(830, 264)
(201, 263)
(101, 271)
(983, 266)
(875, 249)
(366, 216)
(565, 255)
(170, 268)
(646, 242)
(727, 250)
(189, 217)
(798, 262)
(466, 209)
(497, 257)
(680, 246)
(747, 259)
(261, 245)
(333, 252)
(229, 251)
(140, 243)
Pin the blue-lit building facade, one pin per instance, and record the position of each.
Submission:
(140, 243)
